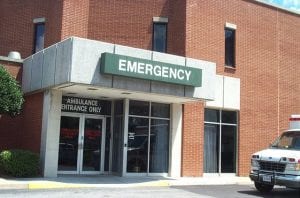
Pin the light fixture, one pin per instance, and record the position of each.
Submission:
(92, 89)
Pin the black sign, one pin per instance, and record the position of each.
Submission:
(85, 105)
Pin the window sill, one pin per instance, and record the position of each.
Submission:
(229, 69)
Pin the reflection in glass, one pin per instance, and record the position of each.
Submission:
(228, 149)
(92, 144)
(118, 138)
(229, 117)
(39, 37)
(118, 107)
(140, 108)
(137, 151)
(229, 47)
(117, 153)
(107, 144)
(159, 146)
(211, 115)
(68, 143)
(211, 148)
(160, 110)
(160, 37)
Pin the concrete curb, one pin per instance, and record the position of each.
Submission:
(33, 185)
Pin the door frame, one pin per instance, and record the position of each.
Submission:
(81, 143)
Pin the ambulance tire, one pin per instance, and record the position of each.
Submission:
(263, 188)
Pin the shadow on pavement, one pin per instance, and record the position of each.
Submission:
(238, 191)
(275, 193)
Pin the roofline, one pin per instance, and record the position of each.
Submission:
(278, 6)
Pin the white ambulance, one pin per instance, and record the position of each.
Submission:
(280, 163)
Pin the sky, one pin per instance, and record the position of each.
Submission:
(289, 4)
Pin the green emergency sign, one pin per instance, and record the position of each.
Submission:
(150, 70)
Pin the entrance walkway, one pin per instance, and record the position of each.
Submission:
(115, 182)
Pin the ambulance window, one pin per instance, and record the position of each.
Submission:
(296, 143)
(286, 140)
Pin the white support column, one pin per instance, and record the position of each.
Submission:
(175, 140)
(50, 132)
(126, 113)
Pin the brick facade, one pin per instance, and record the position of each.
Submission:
(10, 127)
(192, 139)
(24, 130)
(266, 59)
(267, 56)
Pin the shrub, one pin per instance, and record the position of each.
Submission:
(11, 98)
(19, 163)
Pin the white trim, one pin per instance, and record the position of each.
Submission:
(112, 120)
(160, 19)
(230, 25)
(125, 142)
(39, 20)
(157, 118)
(175, 141)
(4, 58)
(278, 6)
(50, 132)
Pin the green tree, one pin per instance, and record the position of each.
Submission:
(11, 98)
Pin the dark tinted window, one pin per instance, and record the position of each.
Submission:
(211, 115)
(229, 117)
(160, 110)
(160, 37)
(229, 47)
(119, 107)
(39, 34)
(138, 108)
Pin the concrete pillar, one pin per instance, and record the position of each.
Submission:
(50, 132)
(175, 140)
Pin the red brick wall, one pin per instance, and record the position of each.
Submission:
(17, 28)
(75, 19)
(176, 27)
(121, 22)
(267, 54)
(192, 139)
(30, 134)
(125, 22)
(24, 130)
(10, 126)
(14, 68)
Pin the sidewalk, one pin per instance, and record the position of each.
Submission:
(115, 182)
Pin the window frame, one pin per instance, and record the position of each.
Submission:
(220, 124)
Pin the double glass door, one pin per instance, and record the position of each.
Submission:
(81, 144)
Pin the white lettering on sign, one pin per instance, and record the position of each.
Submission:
(122, 65)
(154, 70)
(81, 105)
(149, 69)
(131, 67)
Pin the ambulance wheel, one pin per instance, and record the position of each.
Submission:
(263, 188)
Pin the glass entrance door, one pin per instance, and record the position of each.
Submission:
(81, 144)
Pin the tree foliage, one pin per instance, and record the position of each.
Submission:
(11, 98)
